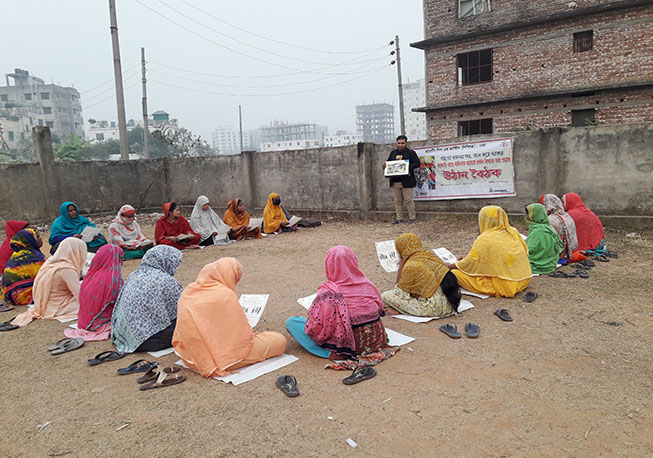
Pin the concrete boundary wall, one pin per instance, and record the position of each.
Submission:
(611, 167)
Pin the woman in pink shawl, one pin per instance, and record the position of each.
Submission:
(97, 295)
(344, 322)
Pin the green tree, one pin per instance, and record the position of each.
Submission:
(70, 150)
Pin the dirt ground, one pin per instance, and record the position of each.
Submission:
(571, 376)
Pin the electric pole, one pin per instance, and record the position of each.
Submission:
(401, 91)
(146, 147)
(117, 72)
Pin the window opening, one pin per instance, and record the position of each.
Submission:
(475, 127)
(582, 118)
(467, 8)
(475, 67)
(584, 41)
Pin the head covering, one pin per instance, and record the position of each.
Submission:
(544, 245)
(22, 267)
(562, 223)
(273, 215)
(234, 219)
(147, 302)
(65, 226)
(589, 229)
(12, 227)
(499, 251)
(125, 231)
(206, 222)
(100, 288)
(212, 332)
(423, 271)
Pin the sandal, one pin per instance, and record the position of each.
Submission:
(530, 296)
(560, 274)
(612, 254)
(288, 384)
(601, 258)
(7, 326)
(105, 356)
(59, 344)
(360, 373)
(162, 381)
(472, 330)
(137, 366)
(72, 344)
(588, 263)
(581, 273)
(152, 374)
(5, 307)
(503, 314)
(450, 330)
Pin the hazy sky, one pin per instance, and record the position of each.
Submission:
(69, 43)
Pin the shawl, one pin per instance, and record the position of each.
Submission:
(544, 244)
(499, 251)
(423, 271)
(22, 267)
(65, 226)
(206, 222)
(11, 229)
(273, 215)
(234, 219)
(165, 228)
(125, 231)
(562, 223)
(99, 290)
(212, 333)
(589, 229)
(147, 302)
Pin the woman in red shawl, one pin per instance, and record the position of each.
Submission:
(589, 229)
(11, 229)
(174, 230)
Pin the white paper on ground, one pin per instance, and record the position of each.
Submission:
(66, 320)
(89, 232)
(254, 223)
(247, 373)
(160, 353)
(253, 306)
(388, 255)
(469, 293)
(464, 305)
(294, 220)
(444, 254)
(397, 339)
(307, 301)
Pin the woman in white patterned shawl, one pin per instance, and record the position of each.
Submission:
(562, 223)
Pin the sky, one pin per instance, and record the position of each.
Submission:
(287, 60)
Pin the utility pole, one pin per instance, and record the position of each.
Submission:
(240, 122)
(401, 90)
(117, 73)
(146, 131)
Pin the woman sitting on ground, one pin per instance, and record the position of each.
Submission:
(70, 223)
(589, 228)
(344, 322)
(498, 263)
(56, 286)
(274, 218)
(213, 335)
(98, 294)
(544, 244)
(145, 313)
(173, 229)
(237, 218)
(12, 227)
(22, 267)
(564, 226)
(207, 223)
(425, 285)
(126, 233)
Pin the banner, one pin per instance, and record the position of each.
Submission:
(470, 170)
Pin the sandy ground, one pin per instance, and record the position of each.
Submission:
(571, 376)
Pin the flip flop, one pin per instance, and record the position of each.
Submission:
(288, 384)
(450, 330)
(152, 374)
(7, 326)
(530, 296)
(559, 274)
(581, 273)
(71, 345)
(137, 366)
(612, 254)
(5, 307)
(588, 263)
(105, 356)
(582, 266)
(503, 314)
(601, 258)
(59, 343)
(472, 330)
(162, 381)
(359, 374)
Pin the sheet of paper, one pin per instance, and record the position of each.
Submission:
(444, 254)
(469, 293)
(89, 232)
(87, 263)
(253, 306)
(388, 255)
(464, 305)
(255, 222)
(160, 353)
(66, 320)
(181, 237)
(523, 236)
(294, 220)
(73, 326)
(397, 339)
(307, 301)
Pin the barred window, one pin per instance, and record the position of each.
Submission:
(584, 41)
(474, 67)
(467, 8)
(475, 126)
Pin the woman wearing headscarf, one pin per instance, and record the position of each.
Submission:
(207, 223)
(22, 267)
(425, 285)
(173, 229)
(274, 218)
(564, 226)
(213, 335)
(56, 286)
(145, 313)
(125, 232)
(11, 228)
(70, 223)
(544, 245)
(237, 218)
(98, 294)
(345, 317)
(589, 228)
(498, 263)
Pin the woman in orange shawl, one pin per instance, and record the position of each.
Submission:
(212, 335)
(274, 219)
(237, 217)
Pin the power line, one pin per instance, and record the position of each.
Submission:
(110, 97)
(110, 89)
(109, 81)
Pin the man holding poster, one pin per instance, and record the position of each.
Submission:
(402, 185)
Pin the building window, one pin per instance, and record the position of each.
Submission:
(28, 97)
(474, 127)
(99, 137)
(584, 41)
(475, 67)
(467, 8)
(40, 122)
(4, 97)
(45, 95)
(10, 135)
(49, 123)
(47, 110)
(581, 118)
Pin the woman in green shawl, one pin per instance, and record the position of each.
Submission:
(544, 244)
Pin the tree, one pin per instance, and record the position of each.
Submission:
(70, 150)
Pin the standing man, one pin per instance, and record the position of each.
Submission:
(402, 185)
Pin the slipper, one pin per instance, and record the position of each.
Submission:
(601, 258)
(450, 330)
(162, 381)
(582, 266)
(581, 273)
(612, 254)
(5, 307)
(7, 326)
(559, 274)
(59, 343)
(71, 345)
(288, 384)
(530, 296)
(137, 366)
(360, 373)
(588, 263)
(105, 356)
(152, 374)
(503, 314)
(472, 330)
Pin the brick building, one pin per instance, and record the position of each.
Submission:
(502, 66)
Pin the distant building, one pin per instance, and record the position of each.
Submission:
(290, 145)
(102, 131)
(342, 138)
(415, 97)
(376, 122)
(14, 129)
(226, 140)
(292, 136)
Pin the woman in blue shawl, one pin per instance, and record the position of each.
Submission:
(71, 224)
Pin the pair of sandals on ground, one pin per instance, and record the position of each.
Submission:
(152, 377)
(288, 384)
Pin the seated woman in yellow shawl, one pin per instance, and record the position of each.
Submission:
(498, 263)
(274, 218)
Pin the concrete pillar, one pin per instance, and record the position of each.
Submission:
(45, 157)
(366, 179)
(249, 180)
